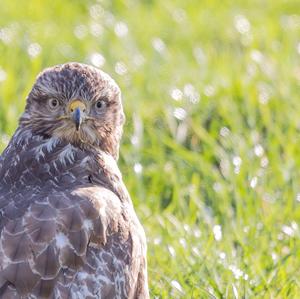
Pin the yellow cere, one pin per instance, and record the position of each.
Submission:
(77, 104)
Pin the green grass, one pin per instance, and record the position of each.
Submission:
(225, 155)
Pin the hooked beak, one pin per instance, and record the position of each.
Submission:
(77, 111)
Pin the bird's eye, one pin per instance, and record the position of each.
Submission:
(99, 105)
(53, 104)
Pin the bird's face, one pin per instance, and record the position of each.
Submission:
(76, 103)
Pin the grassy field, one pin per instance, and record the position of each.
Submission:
(211, 151)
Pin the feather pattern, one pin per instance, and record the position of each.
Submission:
(67, 227)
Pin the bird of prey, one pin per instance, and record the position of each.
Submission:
(68, 228)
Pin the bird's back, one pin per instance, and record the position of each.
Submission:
(65, 232)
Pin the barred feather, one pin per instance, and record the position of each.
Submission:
(67, 227)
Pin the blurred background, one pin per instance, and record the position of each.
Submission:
(211, 149)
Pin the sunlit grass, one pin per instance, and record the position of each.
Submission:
(211, 151)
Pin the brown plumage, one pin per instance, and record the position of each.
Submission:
(68, 228)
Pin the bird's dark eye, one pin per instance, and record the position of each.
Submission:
(53, 104)
(99, 105)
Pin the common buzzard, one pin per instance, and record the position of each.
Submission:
(67, 224)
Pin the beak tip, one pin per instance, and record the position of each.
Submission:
(77, 117)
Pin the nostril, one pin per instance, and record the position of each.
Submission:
(83, 110)
(72, 110)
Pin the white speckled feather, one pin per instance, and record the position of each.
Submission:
(68, 228)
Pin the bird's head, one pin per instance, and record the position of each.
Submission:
(78, 104)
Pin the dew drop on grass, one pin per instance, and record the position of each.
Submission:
(209, 90)
(138, 168)
(182, 242)
(80, 31)
(290, 21)
(66, 50)
(176, 94)
(257, 56)
(196, 251)
(188, 89)
(176, 285)
(288, 230)
(158, 45)
(224, 131)
(121, 68)
(258, 150)
(237, 161)
(246, 229)
(96, 29)
(237, 273)
(179, 15)
(253, 282)
(242, 24)
(280, 236)
(187, 228)
(285, 250)
(253, 182)
(179, 113)
(168, 167)
(197, 233)
(134, 140)
(109, 19)
(2, 75)
(34, 50)
(217, 187)
(171, 250)
(7, 34)
(222, 255)
(274, 256)
(217, 230)
(121, 29)
(294, 225)
(157, 241)
(199, 55)
(263, 97)
(138, 59)
(264, 162)
(259, 226)
(97, 59)
(96, 11)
